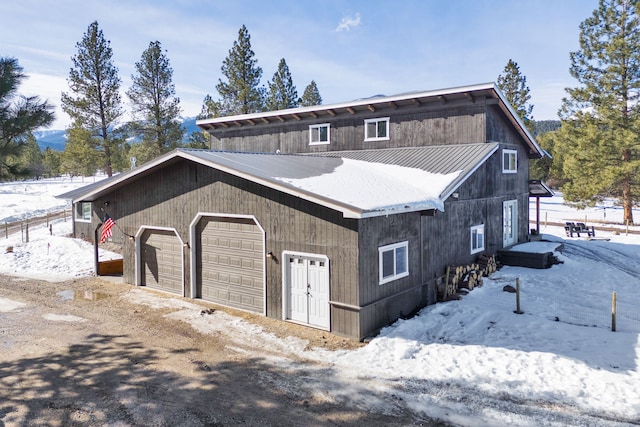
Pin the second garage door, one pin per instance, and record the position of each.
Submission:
(230, 259)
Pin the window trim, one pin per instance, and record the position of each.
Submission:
(510, 227)
(393, 247)
(510, 153)
(376, 120)
(474, 242)
(79, 212)
(318, 126)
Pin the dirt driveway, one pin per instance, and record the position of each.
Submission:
(88, 352)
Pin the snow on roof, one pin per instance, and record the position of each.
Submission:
(378, 187)
(384, 182)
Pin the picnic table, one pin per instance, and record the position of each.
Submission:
(577, 228)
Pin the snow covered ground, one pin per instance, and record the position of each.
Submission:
(51, 257)
(471, 362)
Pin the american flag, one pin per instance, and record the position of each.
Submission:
(107, 225)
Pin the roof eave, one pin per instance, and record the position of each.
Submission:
(98, 191)
(356, 103)
(536, 151)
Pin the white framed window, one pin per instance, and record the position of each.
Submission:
(509, 161)
(83, 211)
(394, 261)
(477, 238)
(376, 129)
(319, 134)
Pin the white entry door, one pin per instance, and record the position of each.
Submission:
(307, 289)
(509, 222)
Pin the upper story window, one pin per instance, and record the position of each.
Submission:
(394, 261)
(319, 134)
(509, 161)
(477, 238)
(376, 129)
(83, 211)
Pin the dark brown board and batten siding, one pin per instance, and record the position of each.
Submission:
(436, 239)
(383, 304)
(409, 127)
(172, 196)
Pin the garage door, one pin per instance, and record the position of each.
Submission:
(231, 263)
(161, 261)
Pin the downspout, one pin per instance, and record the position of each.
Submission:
(95, 250)
(538, 215)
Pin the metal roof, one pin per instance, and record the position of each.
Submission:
(538, 188)
(77, 192)
(440, 159)
(270, 169)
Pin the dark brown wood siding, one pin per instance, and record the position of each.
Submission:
(500, 129)
(434, 124)
(447, 235)
(382, 304)
(436, 240)
(173, 195)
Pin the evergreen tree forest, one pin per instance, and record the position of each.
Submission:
(101, 137)
(594, 147)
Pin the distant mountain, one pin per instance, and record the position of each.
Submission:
(57, 139)
(190, 124)
(54, 139)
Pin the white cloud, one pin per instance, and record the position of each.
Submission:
(347, 23)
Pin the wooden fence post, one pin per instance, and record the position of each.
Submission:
(27, 232)
(518, 311)
(613, 311)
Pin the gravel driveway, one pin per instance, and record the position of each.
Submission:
(85, 352)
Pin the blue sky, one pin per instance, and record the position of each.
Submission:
(352, 49)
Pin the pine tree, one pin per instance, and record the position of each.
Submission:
(197, 139)
(31, 158)
(80, 157)
(601, 119)
(241, 93)
(311, 96)
(548, 169)
(514, 87)
(282, 92)
(19, 117)
(155, 107)
(94, 101)
(51, 160)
